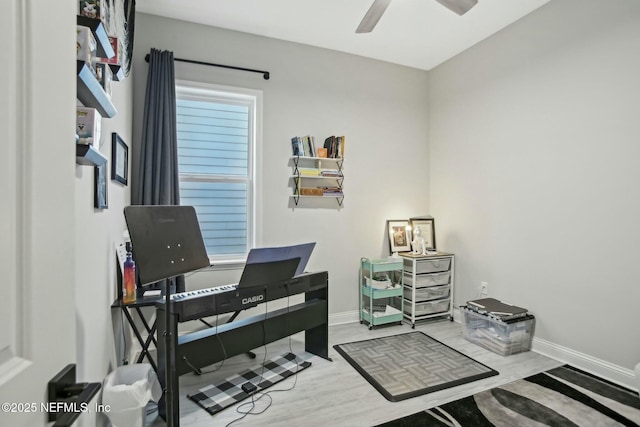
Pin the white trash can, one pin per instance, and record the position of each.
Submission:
(126, 391)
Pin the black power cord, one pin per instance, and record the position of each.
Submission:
(199, 371)
(249, 387)
(252, 389)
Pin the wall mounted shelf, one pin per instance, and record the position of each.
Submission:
(104, 48)
(88, 155)
(322, 178)
(117, 73)
(91, 93)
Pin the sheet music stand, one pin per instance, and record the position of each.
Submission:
(303, 252)
(268, 273)
(167, 242)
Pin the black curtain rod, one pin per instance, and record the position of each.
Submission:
(265, 74)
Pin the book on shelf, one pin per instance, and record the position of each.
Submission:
(303, 146)
(309, 171)
(311, 191)
(333, 173)
(312, 145)
(334, 146)
(330, 143)
(296, 145)
(306, 144)
(496, 308)
(332, 191)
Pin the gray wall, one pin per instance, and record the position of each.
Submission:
(534, 153)
(381, 109)
(98, 327)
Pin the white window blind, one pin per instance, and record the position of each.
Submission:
(215, 150)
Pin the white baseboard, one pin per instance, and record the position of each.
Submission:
(344, 317)
(353, 317)
(456, 314)
(609, 371)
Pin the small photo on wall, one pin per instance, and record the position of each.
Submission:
(119, 159)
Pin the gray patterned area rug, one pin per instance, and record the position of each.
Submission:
(408, 365)
(563, 396)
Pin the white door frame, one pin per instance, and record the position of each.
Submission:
(37, 203)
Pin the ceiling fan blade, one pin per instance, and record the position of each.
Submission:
(458, 6)
(372, 16)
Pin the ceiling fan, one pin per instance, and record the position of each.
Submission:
(378, 7)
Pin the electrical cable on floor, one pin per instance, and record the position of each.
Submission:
(199, 371)
(264, 359)
(267, 394)
(295, 377)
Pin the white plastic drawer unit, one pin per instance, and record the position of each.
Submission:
(428, 286)
(429, 307)
(428, 265)
(432, 279)
(430, 293)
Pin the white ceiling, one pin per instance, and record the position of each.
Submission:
(415, 33)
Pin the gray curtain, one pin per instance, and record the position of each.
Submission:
(157, 178)
(158, 182)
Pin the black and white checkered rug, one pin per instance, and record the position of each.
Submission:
(216, 397)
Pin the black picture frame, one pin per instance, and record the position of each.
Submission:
(428, 227)
(399, 237)
(100, 198)
(119, 159)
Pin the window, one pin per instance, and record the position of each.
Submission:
(216, 149)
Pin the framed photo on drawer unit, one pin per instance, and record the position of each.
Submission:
(428, 227)
(399, 238)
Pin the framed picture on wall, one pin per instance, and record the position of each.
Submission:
(399, 238)
(101, 183)
(119, 159)
(428, 229)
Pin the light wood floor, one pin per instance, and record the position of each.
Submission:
(334, 394)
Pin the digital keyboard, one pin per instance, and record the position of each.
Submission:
(189, 352)
(181, 296)
(192, 305)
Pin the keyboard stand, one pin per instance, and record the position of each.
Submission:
(150, 329)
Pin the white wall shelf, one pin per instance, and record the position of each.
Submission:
(317, 178)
